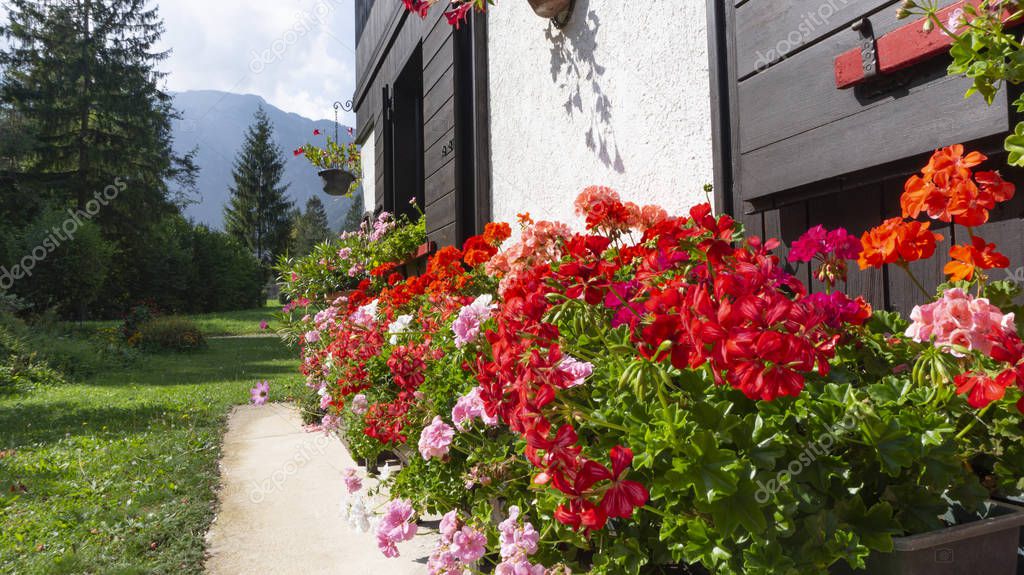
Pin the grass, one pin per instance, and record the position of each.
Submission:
(116, 472)
(236, 323)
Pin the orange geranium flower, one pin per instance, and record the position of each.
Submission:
(495, 234)
(478, 251)
(977, 256)
(947, 189)
(897, 241)
(951, 161)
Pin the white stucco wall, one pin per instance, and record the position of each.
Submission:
(620, 97)
(369, 157)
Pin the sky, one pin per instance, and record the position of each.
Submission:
(299, 55)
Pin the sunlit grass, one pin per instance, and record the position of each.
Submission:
(116, 474)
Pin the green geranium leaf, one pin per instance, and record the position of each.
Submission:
(710, 470)
(740, 508)
(1015, 146)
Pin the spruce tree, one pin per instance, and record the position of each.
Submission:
(354, 216)
(259, 211)
(84, 74)
(311, 227)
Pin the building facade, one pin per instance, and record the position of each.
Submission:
(512, 114)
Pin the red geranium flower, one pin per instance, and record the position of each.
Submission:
(981, 389)
(623, 496)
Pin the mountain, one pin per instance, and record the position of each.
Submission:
(215, 123)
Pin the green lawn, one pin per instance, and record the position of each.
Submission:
(239, 322)
(116, 473)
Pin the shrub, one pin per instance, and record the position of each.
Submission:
(19, 367)
(71, 275)
(171, 333)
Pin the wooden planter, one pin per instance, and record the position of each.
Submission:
(337, 181)
(550, 8)
(986, 546)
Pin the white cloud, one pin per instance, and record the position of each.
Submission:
(297, 54)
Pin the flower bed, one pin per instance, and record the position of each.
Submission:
(658, 390)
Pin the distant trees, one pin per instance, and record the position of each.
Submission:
(354, 217)
(90, 187)
(259, 212)
(310, 227)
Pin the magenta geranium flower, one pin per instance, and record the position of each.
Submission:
(260, 393)
(264, 325)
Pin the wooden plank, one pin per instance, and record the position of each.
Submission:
(439, 36)
(787, 225)
(441, 183)
(799, 93)
(768, 32)
(920, 121)
(439, 125)
(857, 210)
(441, 213)
(438, 95)
(435, 157)
(444, 236)
(436, 68)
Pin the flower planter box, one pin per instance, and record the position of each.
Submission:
(986, 546)
(337, 181)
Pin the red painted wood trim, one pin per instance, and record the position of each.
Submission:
(903, 47)
(425, 249)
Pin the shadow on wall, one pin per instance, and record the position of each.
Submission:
(574, 64)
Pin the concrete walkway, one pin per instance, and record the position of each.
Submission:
(280, 505)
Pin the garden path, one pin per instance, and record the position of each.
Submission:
(280, 504)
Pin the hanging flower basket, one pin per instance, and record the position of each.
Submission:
(337, 181)
(550, 8)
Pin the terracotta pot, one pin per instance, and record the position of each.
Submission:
(337, 181)
(549, 8)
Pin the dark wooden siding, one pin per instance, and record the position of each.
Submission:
(389, 37)
(363, 9)
(456, 141)
(792, 151)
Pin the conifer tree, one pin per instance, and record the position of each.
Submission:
(311, 227)
(259, 211)
(84, 74)
(354, 216)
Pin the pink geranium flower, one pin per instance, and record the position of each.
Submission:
(264, 325)
(470, 407)
(436, 439)
(959, 320)
(360, 404)
(352, 481)
(578, 370)
(459, 547)
(260, 393)
(467, 325)
(395, 527)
